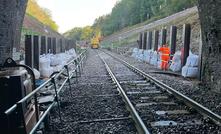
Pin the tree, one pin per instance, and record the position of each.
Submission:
(41, 14)
(130, 12)
(210, 19)
(12, 15)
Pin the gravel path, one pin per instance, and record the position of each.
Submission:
(93, 106)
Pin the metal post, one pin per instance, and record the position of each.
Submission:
(56, 97)
(36, 52)
(28, 51)
(149, 40)
(163, 37)
(69, 81)
(200, 58)
(173, 34)
(21, 118)
(140, 41)
(79, 66)
(156, 40)
(76, 72)
(49, 45)
(54, 45)
(43, 45)
(144, 41)
(61, 50)
(186, 42)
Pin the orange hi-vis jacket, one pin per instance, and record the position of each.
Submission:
(165, 53)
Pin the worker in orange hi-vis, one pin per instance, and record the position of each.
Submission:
(165, 57)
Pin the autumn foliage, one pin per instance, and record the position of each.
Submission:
(41, 14)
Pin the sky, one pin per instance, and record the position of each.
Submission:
(76, 13)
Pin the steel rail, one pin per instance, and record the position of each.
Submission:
(141, 128)
(188, 101)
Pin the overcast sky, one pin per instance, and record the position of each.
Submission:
(76, 13)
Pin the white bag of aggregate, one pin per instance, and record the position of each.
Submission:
(37, 73)
(155, 58)
(72, 52)
(177, 56)
(139, 54)
(149, 56)
(189, 71)
(57, 68)
(135, 51)
(176, 66)
(192, 60)
(145, 53)
(54, 61)
(176, 62)
(44, 66)
(46, 72)
(159, 64)
(44, 63)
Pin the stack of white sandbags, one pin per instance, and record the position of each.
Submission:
(51, 63)
(191, 67)
(176, 62)
(71, 53)
(147, 55)
(140, 55)
(135, 51)
(56, 63)
(44, 66)
(155, 59)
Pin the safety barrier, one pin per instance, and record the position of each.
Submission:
(17, 108)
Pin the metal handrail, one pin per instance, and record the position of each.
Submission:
(19, 104)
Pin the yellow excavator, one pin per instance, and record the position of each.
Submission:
(95, 41)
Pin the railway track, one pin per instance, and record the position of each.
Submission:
(155, 107)
(93, 106)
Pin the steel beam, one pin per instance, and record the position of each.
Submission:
(186, 42)
(54, 45)
(149, 40)
(156, 40)
(49, 45)
(36, 52)
(163, 37)
(144, 41)
(173, 37)
(43, 45)
(28, 51)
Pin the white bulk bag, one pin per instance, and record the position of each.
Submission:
(154, 59)
(177, 57)
(44, 63)
(56, 60)
(36, 73)
(176, 62)
(189, 71)
(149, 56)
(192, 60)
(46, 72)
(176, 66)
(139, 54)
(135, 52)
